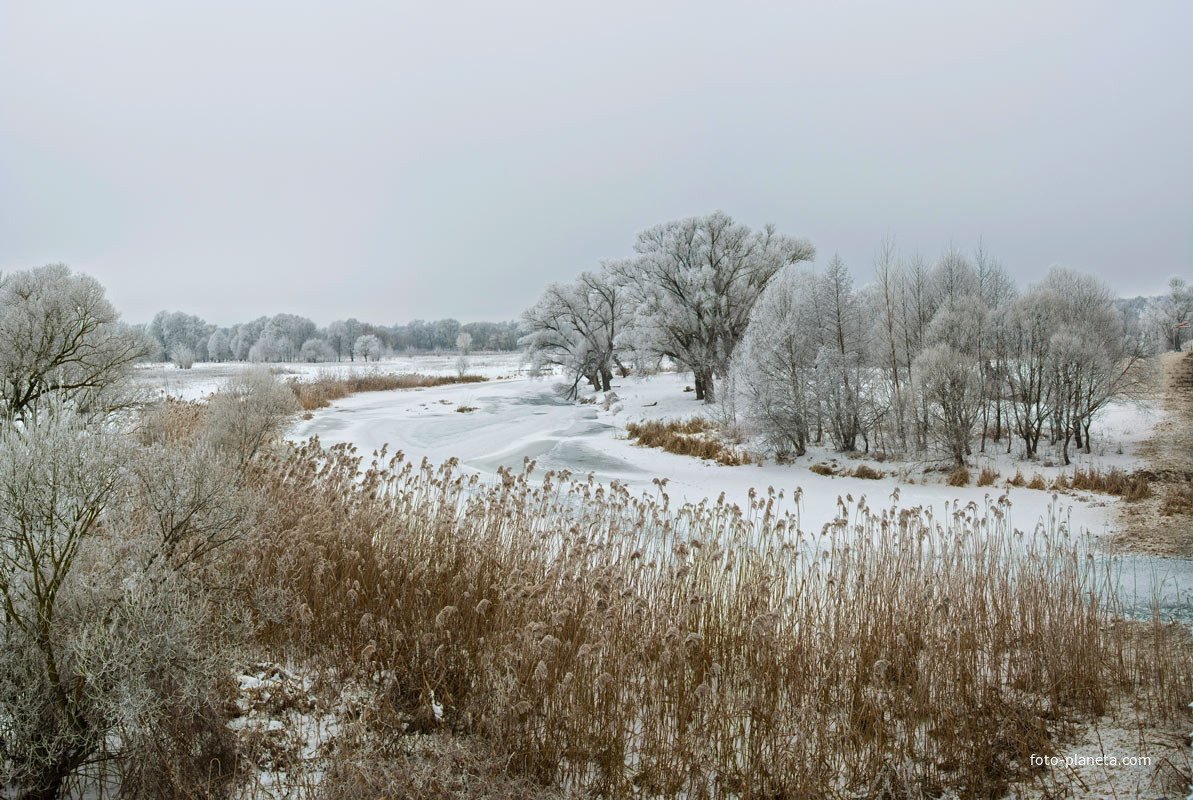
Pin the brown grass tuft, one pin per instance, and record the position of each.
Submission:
(691, 437)
(1130, 487)
(987, 477)
(821, 469)
(958, 477)
(1178, 500)
(1037, 482)
(866, 472)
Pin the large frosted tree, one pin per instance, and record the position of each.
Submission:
(694, 283)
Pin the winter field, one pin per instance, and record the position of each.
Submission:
(519, 417)
(497, 427)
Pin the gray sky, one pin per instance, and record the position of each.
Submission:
(397, 160)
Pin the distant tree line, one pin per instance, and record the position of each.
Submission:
(186, 338)
(926, 356)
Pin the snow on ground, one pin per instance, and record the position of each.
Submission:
(521, 418)
(205, 378)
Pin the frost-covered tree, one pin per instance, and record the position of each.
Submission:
(952, 390)
(175, 332)
(271, 345)
(774, 367)
(840, 365)
(60, 337)
(575, 326)
(367, 347)
(1163, 317)
(694, 283)
(317, 350)
(464, 342)
(1095, 358)
(342, 334)
(218, 348)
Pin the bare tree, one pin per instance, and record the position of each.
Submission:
(575, 326)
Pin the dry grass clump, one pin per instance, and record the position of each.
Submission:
(170, 421)
(465, 409)
(958, 477)
(691, 437)
(1018, 480)
(601, 641)
(821, 469)
(988, 476)
(1130, 487)
(866, 472)
(328, 387)
(437, 767)
(1037, 482)
(1178, 500)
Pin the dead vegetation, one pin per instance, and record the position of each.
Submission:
(329, 387)
(958, 477)
(692, 437)
(1159, 524)
(579, 637)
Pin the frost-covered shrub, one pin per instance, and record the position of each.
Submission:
(248, 413)
(183, 358)
(108, 644)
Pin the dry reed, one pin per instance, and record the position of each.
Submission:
(328, 387)
(691, 437)
(601, 640)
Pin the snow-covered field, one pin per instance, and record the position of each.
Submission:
(205, 378)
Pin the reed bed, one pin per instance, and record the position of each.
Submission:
(328, 387)
(598, 640)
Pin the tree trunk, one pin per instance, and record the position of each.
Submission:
(606, 376)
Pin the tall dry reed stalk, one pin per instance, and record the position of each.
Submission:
(597, 639)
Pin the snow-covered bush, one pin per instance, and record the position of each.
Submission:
(183, 357)
(248, 413)
(106, 643)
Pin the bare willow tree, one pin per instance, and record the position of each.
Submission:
(60, 337)
(575, 326)
(694, 283)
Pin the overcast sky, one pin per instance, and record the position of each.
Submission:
(391, 160)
